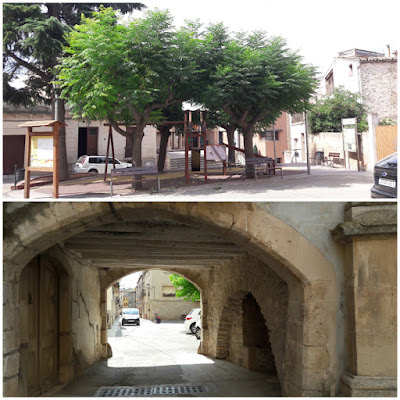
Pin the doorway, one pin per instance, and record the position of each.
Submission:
(39, 322)
(87, 141)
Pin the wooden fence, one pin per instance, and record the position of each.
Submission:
(386, 140)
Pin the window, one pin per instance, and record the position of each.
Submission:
(329, 84)
(350, 69)
(269, 135)
(94, 160)
(297, 118)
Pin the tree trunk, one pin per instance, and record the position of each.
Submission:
(248, 149)
(60, 113)
(230, 131)
(165, 134)
(137, 137)
(63, 166)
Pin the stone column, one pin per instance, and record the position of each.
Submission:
(369, 235)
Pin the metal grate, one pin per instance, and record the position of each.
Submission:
(130, 391)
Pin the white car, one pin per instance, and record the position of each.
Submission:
(191, 319)
(198, 329)
(130, 315)
(97, 164)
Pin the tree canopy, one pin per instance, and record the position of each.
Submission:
(33, 39)
(184, 288)
(126, 74)
(327, 113)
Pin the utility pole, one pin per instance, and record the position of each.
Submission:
(273, 134)
(306, 134)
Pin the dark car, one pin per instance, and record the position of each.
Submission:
(385, 176)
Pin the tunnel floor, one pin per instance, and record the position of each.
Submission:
(161, 360)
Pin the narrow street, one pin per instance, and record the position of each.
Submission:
(165, 356)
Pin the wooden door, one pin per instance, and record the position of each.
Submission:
(42, 299)
(13, 153)
(48, 326)
(33, 273)
(92, 139)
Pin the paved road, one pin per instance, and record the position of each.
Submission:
(165, 354)
(323, 183)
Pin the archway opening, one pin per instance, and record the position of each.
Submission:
(256, 337)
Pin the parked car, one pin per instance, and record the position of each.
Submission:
(198, 329)
(97, 164)
(130, 315)
(191, 319)
(385, 177)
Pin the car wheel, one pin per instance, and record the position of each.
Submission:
(94, 170)
(198, 333)
(138, 324)
(193, 327)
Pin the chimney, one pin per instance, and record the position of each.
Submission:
(388, 49)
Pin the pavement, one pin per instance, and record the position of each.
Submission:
(165, 354)
(323, 183)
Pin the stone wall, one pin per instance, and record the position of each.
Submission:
(379, 87)
(226, 292)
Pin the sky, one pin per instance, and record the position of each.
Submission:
(318, 29)
(130, 281)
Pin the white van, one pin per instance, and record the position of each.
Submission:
(130, 315)
(191, 319)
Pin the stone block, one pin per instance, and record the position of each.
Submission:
(10, 387)
(367, 386)
(10, 365)
(10, 342)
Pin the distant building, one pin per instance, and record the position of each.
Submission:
(371, 74)
(157, 294)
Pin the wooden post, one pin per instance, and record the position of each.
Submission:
(27, 183)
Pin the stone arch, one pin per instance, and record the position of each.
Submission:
(308, 273)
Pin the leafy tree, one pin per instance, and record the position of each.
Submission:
(33, 37)
(126, 74)
(327, 113)
(257, 78)
(184, 288)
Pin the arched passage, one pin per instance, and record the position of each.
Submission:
(312, 299)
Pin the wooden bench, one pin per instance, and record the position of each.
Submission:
(263, 164)
(334, 158)
(134, 171)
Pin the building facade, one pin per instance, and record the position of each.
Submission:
(82, 138)
(159, 296)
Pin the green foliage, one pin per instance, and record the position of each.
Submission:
(125, 73)
(33, 38)
(387, 122)
(184, 288)
(256, 78)
(327, 114)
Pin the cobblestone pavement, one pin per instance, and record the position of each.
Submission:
(323, 183)
(165, 354)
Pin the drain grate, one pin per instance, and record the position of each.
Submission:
(130, 391)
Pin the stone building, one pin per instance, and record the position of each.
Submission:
(159, 296)
(373, 75)
(302, 291)
(370, 74)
